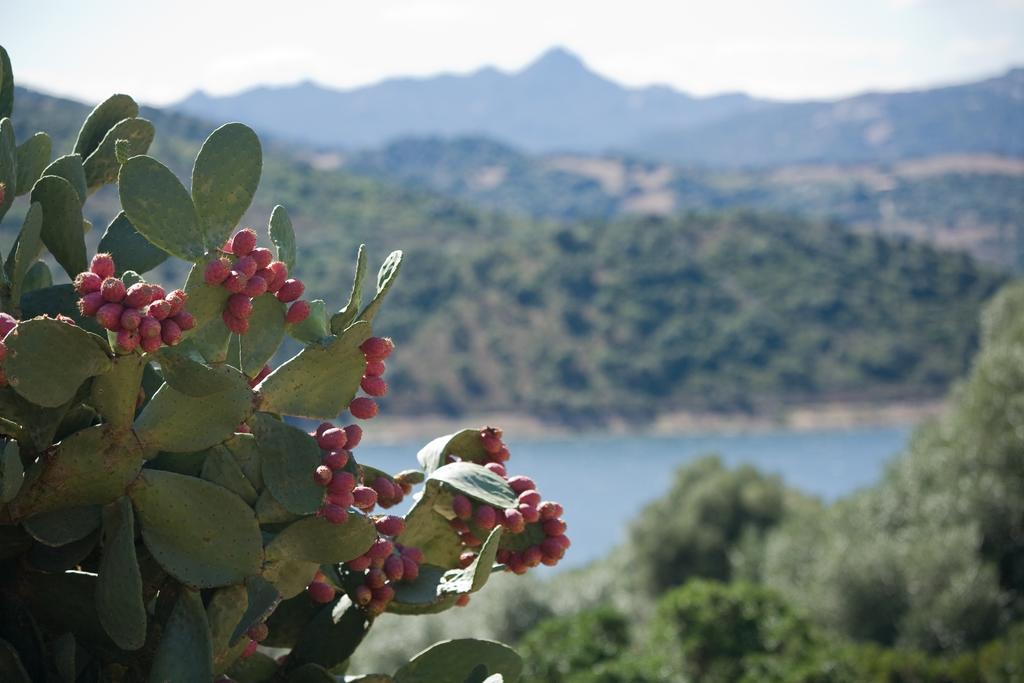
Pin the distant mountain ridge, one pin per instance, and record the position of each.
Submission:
(557, 104)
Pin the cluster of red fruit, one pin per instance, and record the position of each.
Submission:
(7, 323)
(342, 489)
(471, 518)
(143, 315)
(252, 273)
(375, 351)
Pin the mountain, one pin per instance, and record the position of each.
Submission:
(558, 104)
(973, 202)
(554, 103)
(599, 320)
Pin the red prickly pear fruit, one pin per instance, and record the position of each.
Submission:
(331, 438)
(159, 309)
(249, 650)
(336, 459)
(87, 283)
(520, 483)
(530, 497)
(262, 256)
(297, 312)
(256, 286)
(319, 576)
(243, 428)
(413, 553)
(529, 513)
(335, 514)
(375, 578)
(343, 498)
(383, 487)
(243, 242)
(384, 594)
(553, 527)
(359, 564)
(322, 475)
(113, 290)
(549, 510)
(380, 549)
(513, 521)
(158, 292)
(532, 556)
(490, 442)
(362, 595)
(390, 525)
(177, 299)
(127, 340)
(150, 344)
(321, 428)
(186, 322)
(130, 319)
(516, 565)
(138, 295)
(501, 557)
(109, 316)
(216, 272)
(320, 592)
(102, 265)
(149, 327)
(342, 482)
(170, 333)
(375, 368)
(365, 497)
(280, 271)
(410, 569)
(393, 568)
(497, 468)
(485, 517)
(7, 323)
(236, 325)
(354, 434)
(258, 632)
(363, 408)
(462, 507)
(563, 541)
(405, 486)
(246, 266)
(89, 304)
(549, 547)
(462, 600)
(239, 305)
(466, 559)
(502, 456)
(377, 348)
(459, 525)
(374, 386)
(268, 277)
(291, 290)
(236, 282)
(548, 561)
(470, 541)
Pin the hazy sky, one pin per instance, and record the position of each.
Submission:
(161, 51)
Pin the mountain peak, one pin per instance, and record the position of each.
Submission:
(557, 61)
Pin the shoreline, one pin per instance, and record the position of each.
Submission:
(803, 418)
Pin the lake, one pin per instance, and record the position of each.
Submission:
(583, 472)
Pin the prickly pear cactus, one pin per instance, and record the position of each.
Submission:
(163, 514)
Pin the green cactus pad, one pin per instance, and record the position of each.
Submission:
(101, 119)
(465, 444)
(6, 84)
(8, 164)
(62, 223)
(39, 424)
(48, 360)
(321, 380)
(160, 208)
(385, 278)
(11, 667)
(472, 578)
(344, 317)
(101, 167)
(37, 277)
(260, 599)
(176, 422)
(313, 539)
(33, 155)
(26, 250)
(11, 472)
(60, 559)
(61, 527)
(192, 377)
(266, 330)
(91, 467)
(224, 179)
(331, 636)
(315, 327)
(270, 511)
(282, 235)
(220, 468)
(116, 392)
(288, 457)
(428, 530)
(130, 249)
(119, 600)
(186, 648)
(477, 482)
(255, 669)
(290, 577)
(201, 533)
(244, 449)
(422, 596)
(69, 167)
(223, 613)
(456, 661)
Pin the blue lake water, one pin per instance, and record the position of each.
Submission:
(584, 472)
